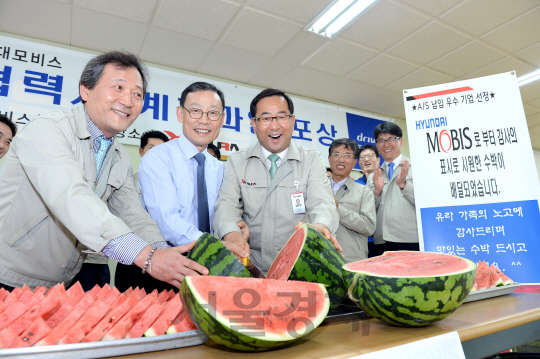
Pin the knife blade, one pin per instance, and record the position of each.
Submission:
(253, 270)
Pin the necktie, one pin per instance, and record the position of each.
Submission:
(390, 170)
(202, 196)
(273, 168)
(104, 145)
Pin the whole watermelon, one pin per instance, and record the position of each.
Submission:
(254, 314)
(411, 289)
(218, 259)
(308, 256)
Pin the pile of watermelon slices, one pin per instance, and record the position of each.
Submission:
(60, 316)
(489, 277)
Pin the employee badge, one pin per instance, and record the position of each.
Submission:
(298, 205)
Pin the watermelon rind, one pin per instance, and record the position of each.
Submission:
(218, 259)
(219, 329)
(320, 262)
(410, 301)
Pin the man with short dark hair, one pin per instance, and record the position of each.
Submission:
(261, 183)
(368, 161)
(7, 131)
(67, 185)
(149, 140)
(181, 202)
(354, 202)
(392, 185)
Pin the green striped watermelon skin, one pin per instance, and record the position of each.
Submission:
(218, 332)
(410, 302)
(218, 259)
(319, 261)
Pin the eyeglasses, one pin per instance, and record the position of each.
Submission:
(367, 157)
(268, 120)
(389, 140)
(347, 156)
(196, 113)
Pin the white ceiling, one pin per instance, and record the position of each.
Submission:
(392, 46)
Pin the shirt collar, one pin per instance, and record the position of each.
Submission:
(281, 155)
(340, 183)
(189, 148)
(397, 161)
(95, 132)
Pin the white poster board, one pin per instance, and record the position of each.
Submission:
(475, 179)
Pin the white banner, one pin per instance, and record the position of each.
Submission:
(37, 78)
(475, 180)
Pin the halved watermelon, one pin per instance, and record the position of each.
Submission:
(408, 288)
(208, 251)
(308, 256)
(254, 314)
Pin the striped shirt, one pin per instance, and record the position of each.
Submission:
(126, 248)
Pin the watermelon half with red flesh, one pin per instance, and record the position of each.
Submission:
(254, 314)
(308, 256)
(408, 288)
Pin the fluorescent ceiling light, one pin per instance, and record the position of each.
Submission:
(528, 78)
(336, 16)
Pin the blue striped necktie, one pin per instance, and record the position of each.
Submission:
(390, 170)
(104, 145)
(202, 196)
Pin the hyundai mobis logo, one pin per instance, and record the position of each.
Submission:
(449, 140)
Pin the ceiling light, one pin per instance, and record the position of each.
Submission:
(336, 15)
(528, 78)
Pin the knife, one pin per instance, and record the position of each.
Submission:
(253, 270)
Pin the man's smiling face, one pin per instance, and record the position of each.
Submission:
(274, 136)
(116, 100)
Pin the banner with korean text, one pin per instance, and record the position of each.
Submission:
(475, 179)
(37, 78)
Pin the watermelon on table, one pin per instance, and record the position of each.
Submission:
(9, 315)
(59, 289)
(76, 290)
(211, 253)
(163, 297)
(128, 291)
(109, 320)
(13, 296)
(163, 322)
(41, 290)
(410, 289)
(182, 323)
(308, 256)
(272, 312)
(112, 296)
(3, 294)
(85, 323)
(62, 328)
(504, 278)
(483, 276)
(35, 331)
(59, 315)
(494, 279)
(120, 329)
(26, 296)
(103, 292)
(85, 303)
(146, 320)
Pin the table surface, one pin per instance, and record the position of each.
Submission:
(342, 340)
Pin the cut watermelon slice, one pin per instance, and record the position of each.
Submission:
(15, 310)
(62, 328)
(39, 310)
(13, 296)
(494, 279)
(128, 291)
(86, 323)
(146, 320)
(504, 278)
(109, 320)
(41, 290)
(409, 288)
(182, 323)
(35, 331)
(3, 294)
(308, 256)
(120, 329)
(277, 313)
(164, 321)
(163, 297)
(483, 276)
(76, 290)
(59, 315)
(26, 296)
(112, 296)
(26, 288)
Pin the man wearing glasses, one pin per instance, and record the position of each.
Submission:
(172, 189)
(392, 185)
(262, 183)
(354, 202)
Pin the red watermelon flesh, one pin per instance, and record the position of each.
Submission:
(120, 329)
(25, 288)
(62, 328)
(273, 300)
(37, 298)
(284, 262)
(16, 309)
(128, 291)
(103, 292)
(112, 296)
(87, 301)
(59, 315)
(165, 319)
(494, 279)
(7, 336)
(41, 290)
(163, 297)
(3, 294)
(483, 276)
(109, 320)
(504, 278)
(76, 290)
(171, 294)
(146, 320)
(13, 296)
(39, 310)
(182, 323)
(86, 323)
(59, 289)
(35, 331)
(26, 296)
